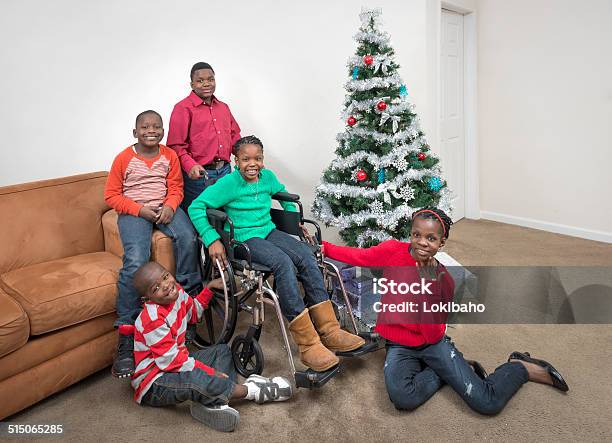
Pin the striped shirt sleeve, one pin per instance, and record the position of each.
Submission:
(197, 305)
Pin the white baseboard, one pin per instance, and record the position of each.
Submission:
(547, 226)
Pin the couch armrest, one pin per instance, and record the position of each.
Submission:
(112, 241)
(161, 244)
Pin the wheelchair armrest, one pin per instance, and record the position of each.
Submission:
(217, 214)
(292, 198)
(286, 197)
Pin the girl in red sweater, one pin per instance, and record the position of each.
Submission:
(420, 357)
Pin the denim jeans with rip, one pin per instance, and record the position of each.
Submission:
(412, 376)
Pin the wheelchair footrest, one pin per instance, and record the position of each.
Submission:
(312, 379)
(373, 342)
(369, 346)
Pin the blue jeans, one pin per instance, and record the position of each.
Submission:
(284, 254)
(413, 376)
(193, 188)
(176, 387)
(135, 235)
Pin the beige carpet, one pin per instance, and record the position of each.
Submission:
(354, 406)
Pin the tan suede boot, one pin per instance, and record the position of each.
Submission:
(312, 352)
(333, 337)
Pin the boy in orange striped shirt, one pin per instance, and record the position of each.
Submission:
(145, 187)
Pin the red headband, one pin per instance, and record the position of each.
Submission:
(437, 216)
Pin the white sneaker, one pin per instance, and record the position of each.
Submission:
(221, 418)
(263, 389)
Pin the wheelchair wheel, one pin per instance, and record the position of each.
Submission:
(247, 355)
(220, 318)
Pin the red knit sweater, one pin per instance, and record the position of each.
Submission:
(395, 253)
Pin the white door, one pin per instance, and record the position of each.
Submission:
(452, 143)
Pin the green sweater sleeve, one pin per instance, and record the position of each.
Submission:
(215, 196)
(279, 187)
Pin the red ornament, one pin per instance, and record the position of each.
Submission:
(368, 59)
(381, 105)
(421, 156)
(351, 121)
(361, 175)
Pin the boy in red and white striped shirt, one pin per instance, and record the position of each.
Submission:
(166, 374)
(145, 187)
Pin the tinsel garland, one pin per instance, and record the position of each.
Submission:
(323, 211)
(381, 39)
(359, 191)
(378, 235)
(382, 62)
(399, 153)
(370, 105)
(380, 138)
(376, 82)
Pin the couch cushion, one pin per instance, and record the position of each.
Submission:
(14, 325)
(45, 347)
(65, 292)
(51, 219)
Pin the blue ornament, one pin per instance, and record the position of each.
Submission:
(435, 184)
(403, 91)
(355, 72)
(381, 176)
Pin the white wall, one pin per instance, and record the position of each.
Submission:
(75, 74)
(545, 114)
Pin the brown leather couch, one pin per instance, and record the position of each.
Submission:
(59, 261)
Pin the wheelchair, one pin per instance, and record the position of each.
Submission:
(220, 318)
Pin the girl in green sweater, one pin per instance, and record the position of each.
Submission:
(246, 196)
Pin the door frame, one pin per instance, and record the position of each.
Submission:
(470, 89)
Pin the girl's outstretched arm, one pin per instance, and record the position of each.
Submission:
(374, 256)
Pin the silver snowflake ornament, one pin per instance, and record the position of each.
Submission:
(401, 164)
(407, 193)
(377, 207)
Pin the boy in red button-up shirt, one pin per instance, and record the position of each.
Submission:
(202, 132)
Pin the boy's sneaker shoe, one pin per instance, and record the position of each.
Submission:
(263, 389)
(123, 366)
(221, 418)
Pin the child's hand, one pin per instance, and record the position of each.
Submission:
(309, 238)
(217, 283)
(166, 214)
(196, 172)
(216, 251)
(148, 214)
